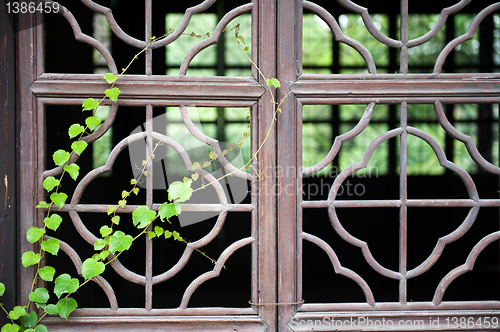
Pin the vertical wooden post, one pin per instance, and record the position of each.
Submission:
(7, 162)
(29, 57)
(265, 58)
(289, 158)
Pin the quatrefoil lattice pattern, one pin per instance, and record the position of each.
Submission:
(79, 212)
(400, 133)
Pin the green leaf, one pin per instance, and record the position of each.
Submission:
(43, 205)
(30, 319)
(92, 122)
(34, 234)
(30, 258)
(142, 216)
(40, 305)
(47, 273)
(111, 209)
(112, 93)
(50, 183)
(40, 295)
(53, 221)
(10, 328)
(180, 191)
(105, 231)
(168, 210)
(104, 254)
(73, 170)
(274, 82)
(51, 245)
(195, 176)
(135, 191)
(124, 193)
(119, 242)
(41, 328)
(65, 284)
(177, 236)
(240, 38)
(167, 234)
(66, 307)
(60, 157)
(159, 231)
(51, 309)
(17, 312)
(2, 289)
(92, 268)
(133, 181)
(115, 220)
(90, 104)
(151, 234)
(79, 146)
(110, 78)
(196, 165)
(75, 130)
(101, 243)
(122, 203)
(59, 199)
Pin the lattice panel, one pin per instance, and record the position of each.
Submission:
(339, 90)
(221, 201)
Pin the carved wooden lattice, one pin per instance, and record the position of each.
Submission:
(148, 91)
(404, 89)
(276, 234)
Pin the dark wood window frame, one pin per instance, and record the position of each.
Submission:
(279, 216)
(9, 161)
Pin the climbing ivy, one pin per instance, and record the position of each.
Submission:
(112, 242)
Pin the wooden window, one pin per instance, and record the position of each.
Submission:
(379, 186)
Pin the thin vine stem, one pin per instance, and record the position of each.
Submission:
(3, 308)
(277, 109)
(67, 296)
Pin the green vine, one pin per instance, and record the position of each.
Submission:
(112, 243)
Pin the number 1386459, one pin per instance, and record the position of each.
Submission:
(23, 7)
